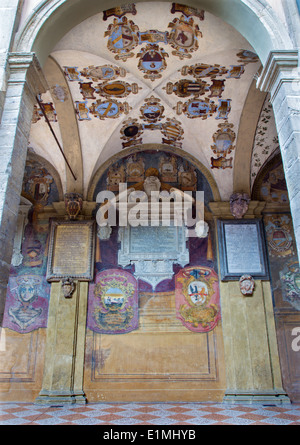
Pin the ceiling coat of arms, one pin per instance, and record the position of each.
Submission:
(103, 72)
(122, 38)
(152, 61)
(152, 111)
(117, 88)
(109, 109)
(223, 140)
(186, 88)
(184, 36)
(197, 298)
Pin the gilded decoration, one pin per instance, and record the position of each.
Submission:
(113, 303)
(197, 298)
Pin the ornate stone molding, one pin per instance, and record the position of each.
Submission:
(279, 67)
(25, 68)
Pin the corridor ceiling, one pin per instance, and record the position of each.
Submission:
(149, 73)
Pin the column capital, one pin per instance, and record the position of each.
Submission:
(281, 66)
(25, 68)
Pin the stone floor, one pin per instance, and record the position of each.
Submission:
(149, 414)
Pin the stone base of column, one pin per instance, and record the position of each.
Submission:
(60, 398)
(262, 397)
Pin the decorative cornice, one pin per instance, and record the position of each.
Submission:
(221, 209)
(277, 67)
(25, 68)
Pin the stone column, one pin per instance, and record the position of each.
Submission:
(64, 358)
(25, 81)
(251, 353)
(281, 77)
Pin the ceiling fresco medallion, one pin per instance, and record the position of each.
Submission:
(186, 88)
(109, 109)
(87, 90)
(72, 73)
(195, 108)
(217, 87)
(131, 132)
(172, 130)
(223, 109)
(223, 140)
(184, 37)
(221, 162)
(119, 11)
(187, 10)
(235, 71)
(152, 61)
(117, 89)
(247, 56)
(152, 111)
(82, 110)
(153, 36)
(122, 38)
(103, 72)
(60, 93)
(202, 70)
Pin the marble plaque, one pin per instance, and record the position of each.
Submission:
(71, 250)
(242, 249)
(153, 251)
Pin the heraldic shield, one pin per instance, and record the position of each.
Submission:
(198, 298)
(113, 303)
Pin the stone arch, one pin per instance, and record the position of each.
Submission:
(254, 19)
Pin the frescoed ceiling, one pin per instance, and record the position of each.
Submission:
(146, 73)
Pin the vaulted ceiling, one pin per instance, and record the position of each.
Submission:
(154, 73)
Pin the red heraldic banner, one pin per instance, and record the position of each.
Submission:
(198, 298)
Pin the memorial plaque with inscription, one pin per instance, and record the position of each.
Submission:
(242, 249)
(153, 251)
(71, 250)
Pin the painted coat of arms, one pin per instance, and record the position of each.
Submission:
(27, 303)
(113, 303)
(184, 36)
(290, 280)
(122, 38)
(197, 298)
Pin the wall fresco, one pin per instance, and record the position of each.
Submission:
(176, 172)
(28, 292)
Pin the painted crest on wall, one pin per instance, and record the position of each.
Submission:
(27, 303)
(197, 298)
(279, 237)
(290, 279)
(184, 36)
(113, 303)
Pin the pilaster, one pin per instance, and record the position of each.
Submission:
(25, 82)
(251, 354)
(281, 77)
